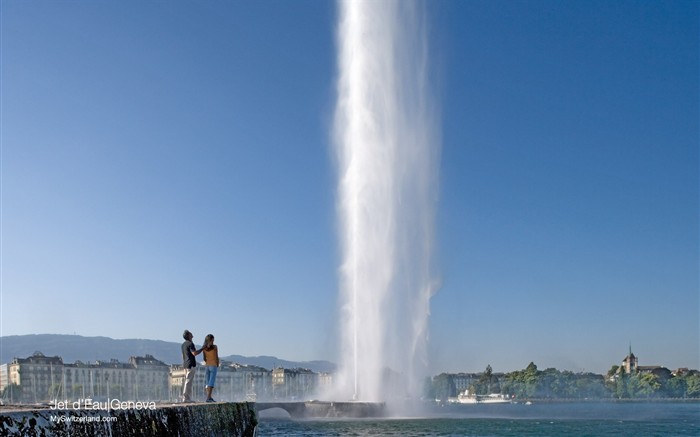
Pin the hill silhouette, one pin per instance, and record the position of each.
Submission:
(90, 349)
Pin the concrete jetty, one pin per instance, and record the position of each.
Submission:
(321, 409)
(229, 419)
(198, 419)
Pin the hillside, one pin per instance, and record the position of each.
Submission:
(90, 349)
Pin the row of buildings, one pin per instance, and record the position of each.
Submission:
(38, 379)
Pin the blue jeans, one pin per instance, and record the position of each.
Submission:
(210, 375)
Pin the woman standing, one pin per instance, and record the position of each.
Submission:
(211, 364)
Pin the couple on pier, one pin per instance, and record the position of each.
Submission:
(211, 365)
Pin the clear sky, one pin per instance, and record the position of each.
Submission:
(167, 165)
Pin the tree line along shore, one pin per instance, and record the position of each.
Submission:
(640, 384)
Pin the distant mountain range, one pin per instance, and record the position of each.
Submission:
(90, 349)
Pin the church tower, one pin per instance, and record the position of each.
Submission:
(630, 363)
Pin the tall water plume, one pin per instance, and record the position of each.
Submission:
(388, 152)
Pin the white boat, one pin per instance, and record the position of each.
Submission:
(493, 398)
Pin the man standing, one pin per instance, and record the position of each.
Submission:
(190, 365)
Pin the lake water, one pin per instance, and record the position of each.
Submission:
(546, 419)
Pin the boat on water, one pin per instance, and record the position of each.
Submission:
(493, 398)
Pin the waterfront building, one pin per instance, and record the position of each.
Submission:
(325, 380)
(98, 381)
(462, 381)
(176, 379)
(37, 376)
(44, 379)
(658, 371)
(293, 384)
(630, 366)
(234, 382)
(682, 371)
(251, 383)
(4, 377)
(151, 378)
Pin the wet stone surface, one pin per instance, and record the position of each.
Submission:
(214, 419)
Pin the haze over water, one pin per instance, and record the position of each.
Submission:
(387, 156)
(508, 420)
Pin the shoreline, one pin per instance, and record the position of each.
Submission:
(608, 400)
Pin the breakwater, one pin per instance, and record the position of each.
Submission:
(214, 419)
(316, 409)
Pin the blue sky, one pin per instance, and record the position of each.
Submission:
(168, 165)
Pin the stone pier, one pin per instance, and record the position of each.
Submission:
(214, 419)
(321, 409)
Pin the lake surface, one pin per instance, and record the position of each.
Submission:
(546, 419)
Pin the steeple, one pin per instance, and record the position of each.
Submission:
(630, 362)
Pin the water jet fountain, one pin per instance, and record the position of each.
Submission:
(387, 156)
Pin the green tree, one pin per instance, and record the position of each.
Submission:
(612, 379)
(632, 385)
(677, 387)
(531, 379)
(621, 386)
(549, 383)
(693, 384)
(485, 383)
(648, 385)
(522, 383)
(590, 385)
(513, 384)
